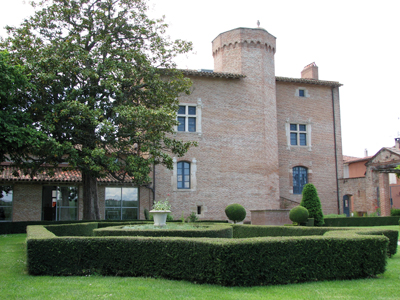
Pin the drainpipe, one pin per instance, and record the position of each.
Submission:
(335, 144)
(154, 182)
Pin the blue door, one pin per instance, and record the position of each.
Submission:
(346, 205)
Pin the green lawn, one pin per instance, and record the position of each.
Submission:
(17, 284)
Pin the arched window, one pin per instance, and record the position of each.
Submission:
(183, 172)
(300, 178)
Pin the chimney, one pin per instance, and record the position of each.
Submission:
(365, 152)
(397, 143)
(310, 72)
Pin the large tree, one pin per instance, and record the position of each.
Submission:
(105, 88)
(19, 138)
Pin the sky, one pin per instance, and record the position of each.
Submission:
(354, 42)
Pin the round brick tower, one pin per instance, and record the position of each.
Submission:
(250, 52)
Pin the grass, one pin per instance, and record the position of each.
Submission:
(17, 284)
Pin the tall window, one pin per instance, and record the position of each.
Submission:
(67, 203)
(298, 134)
(187, 118)
(6, 202)
(300, 178)
(183, 169)
(121, 203)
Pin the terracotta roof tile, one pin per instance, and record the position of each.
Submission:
(60, 175)
(352, 159)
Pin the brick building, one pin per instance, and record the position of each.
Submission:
(370, 184)
(260, 139)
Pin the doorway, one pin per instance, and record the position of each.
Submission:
(346, 205)
(59, 203)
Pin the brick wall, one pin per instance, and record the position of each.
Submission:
(237, 156)
(318, 156)
(356, 188)
(27, 202)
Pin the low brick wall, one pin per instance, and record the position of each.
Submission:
(270, 217)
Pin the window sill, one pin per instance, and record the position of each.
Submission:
(184, 190)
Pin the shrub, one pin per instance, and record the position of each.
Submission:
(298, 214)
(162, 205)
(394, 212)
(334, 216)
(192, 217)
(230, 262)
(364, 221)
(235, 212)
(146, 214)
(311, 201)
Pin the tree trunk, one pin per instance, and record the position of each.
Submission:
(90, 197)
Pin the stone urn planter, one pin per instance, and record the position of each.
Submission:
(160, 211)
(160, 217)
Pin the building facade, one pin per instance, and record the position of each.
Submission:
(370, 184)
(260, 139)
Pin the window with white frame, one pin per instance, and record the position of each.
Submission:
(187, 115)
(298, 134)
(121, 203)
(6, 203)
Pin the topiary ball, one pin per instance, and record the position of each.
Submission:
(298, 214)
(235, 212)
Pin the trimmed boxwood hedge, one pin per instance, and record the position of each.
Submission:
(232, 262)
(361, 221)
(212, 231)
(246, 231)
(20, 227)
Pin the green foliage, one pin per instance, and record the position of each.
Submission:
(146, 214)
(245, 231)
(394, 212)
(361, 221)
(104, 90)
(230, 262)
(310, 200)
(179, 230)
(81, 229)
(13, 271)
(19, 138)
(162, 205)
(183, 218)
(235, 212)
(170, 218)
(334, 216)
(298, 214)
(192, 217)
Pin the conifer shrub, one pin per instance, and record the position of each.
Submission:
(235, 212)
(298, 214)
(310, 200)
(146, 214)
